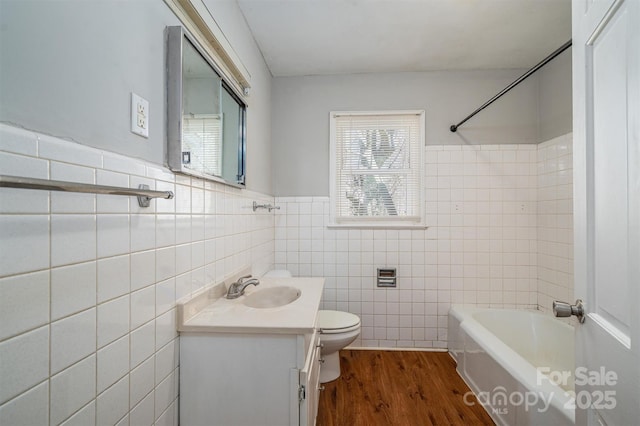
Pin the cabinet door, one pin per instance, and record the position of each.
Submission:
(310, 379)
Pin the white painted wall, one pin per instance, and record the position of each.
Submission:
(554, 98)
(68, 69)
(484, 245)
(301, 108)
(88, 284)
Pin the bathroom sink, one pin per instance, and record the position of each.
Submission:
(272, 297)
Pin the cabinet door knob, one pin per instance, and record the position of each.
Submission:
(321, 360)
(320, 345)
(320, 388)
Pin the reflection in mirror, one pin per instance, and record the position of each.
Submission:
(233, 149)
(198, 131)
(200, 114)
(206, 118)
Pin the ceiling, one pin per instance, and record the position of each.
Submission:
(314, 37)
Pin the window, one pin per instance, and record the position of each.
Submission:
(376, 168)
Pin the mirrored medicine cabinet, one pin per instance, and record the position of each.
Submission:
(206, 117)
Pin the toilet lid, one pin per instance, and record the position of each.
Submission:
(337, 320)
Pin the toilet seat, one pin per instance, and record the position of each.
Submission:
(333, 322)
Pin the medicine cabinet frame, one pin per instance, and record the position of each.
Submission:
(178, 159)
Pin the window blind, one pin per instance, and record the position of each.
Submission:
(200, 131)
(377, 167)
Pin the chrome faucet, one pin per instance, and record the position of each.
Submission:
(237, 289)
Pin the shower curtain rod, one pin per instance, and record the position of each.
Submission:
(520, 79)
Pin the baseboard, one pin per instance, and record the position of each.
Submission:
(381, 348)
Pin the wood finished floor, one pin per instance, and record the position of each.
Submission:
(397, 388)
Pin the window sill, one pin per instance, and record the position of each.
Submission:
(376, 226)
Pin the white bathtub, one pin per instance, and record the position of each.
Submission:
(503, 355)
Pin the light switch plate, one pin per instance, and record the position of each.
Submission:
(139, 115)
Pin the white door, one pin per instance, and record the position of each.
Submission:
(606, 108)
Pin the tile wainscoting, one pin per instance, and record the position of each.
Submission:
(489, 226)
(555, 221)
(89, 283)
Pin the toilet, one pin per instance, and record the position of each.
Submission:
(337, 330)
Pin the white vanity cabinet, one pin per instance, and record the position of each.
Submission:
(244, 366)
(248, 379)
(309, 383)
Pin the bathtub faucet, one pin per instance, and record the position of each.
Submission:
(237, 289)
(564, 309)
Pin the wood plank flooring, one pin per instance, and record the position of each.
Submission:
(395, 388)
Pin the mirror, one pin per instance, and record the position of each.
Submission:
(206, 118)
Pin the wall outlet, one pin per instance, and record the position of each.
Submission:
(139, 115)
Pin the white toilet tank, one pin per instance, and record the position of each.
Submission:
(278, 273)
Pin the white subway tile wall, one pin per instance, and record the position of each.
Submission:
(555, 221)
(89, 283)
(481, 246)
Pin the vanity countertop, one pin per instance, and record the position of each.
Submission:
(211, 312)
